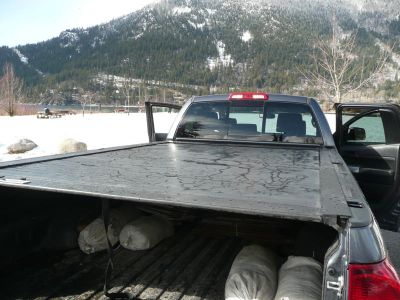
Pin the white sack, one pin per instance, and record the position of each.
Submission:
(253, 275)
(300, 278)
(93, 237)
(145, 233)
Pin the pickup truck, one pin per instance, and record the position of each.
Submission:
(233, 170)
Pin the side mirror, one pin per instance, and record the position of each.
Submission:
(356, 134)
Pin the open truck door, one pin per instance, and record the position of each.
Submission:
(158, 127)
(368, 139)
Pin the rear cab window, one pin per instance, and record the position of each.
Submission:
(263, 121)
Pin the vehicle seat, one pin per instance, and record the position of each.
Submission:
(210, 115)
(243, 129)
(291, 124)
(232, 121)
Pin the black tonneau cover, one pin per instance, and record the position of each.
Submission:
(290, 182)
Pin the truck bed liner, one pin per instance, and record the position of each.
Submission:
(287, 182)
(186, 266)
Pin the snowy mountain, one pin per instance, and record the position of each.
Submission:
(257, 43)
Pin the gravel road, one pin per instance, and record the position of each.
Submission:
(392, 241)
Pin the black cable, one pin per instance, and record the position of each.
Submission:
(110, 264)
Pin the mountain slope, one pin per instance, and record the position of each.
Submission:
(257, 44)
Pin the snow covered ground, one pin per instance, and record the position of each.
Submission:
(331, 117)
(96, 130)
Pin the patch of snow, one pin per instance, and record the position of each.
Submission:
(145, 23)
(223, 59)
(97, 41)
(273, 20)
(179, 10)
(22, 57)
(345, 35)
(196, 25)
(359, 5)
(39, 72)
(211, 11)
(212, 63)
(25, 60)
(68, 38)
(247, 36)
(138, 36)
(391, 69)
(396, 59)
(272, 25)
(389, 72)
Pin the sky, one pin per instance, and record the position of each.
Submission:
(32, 21)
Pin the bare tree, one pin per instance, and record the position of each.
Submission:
(126, 89)
(85, 98)
(337, 70)
(10, 90)
(127, 83)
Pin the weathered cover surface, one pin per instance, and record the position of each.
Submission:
(290, 182)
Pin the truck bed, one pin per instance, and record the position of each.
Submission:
(186, 266)
(286, 181)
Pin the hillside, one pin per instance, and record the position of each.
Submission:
(192, 45)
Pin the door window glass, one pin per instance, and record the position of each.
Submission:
(366, 130)
(163, 118)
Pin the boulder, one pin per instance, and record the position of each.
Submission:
(71, 145)
(21, 146)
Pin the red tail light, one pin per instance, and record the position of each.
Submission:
(373, 282)
(248, 96)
